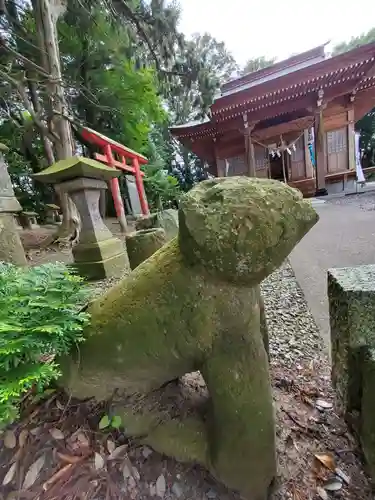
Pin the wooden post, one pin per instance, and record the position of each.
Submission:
(221, 167)
(320, 159)
(249, 153)
(140, 189)
(116, 193)
(351, 140)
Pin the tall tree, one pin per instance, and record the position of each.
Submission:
(355, 41)
(190, 98)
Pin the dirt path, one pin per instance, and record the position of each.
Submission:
(344, 236)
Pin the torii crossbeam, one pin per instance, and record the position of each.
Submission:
(109, 148)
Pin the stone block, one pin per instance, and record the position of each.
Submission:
(11, 249)
(165, 219)
(8, 202)
(142, 244)
(367, 431)
(98, 250)
(114, 266)
(351, 294)
(168, 220)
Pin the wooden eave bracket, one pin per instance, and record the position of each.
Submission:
(248, 126)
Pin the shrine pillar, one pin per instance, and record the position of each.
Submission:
(221, 167)
(351, 139)
(320, 157)
(249, 153)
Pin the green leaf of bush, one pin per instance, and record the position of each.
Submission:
(104, 422)
(116, 422)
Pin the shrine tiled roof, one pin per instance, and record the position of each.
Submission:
(351, 72)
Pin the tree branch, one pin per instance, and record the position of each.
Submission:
(133, 17)
(25, 100)
(27, 61)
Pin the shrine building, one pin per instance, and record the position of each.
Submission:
(293, 121)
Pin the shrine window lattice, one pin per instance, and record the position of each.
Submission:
(336, 141)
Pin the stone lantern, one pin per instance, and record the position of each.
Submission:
(98, 253)
(11, 249)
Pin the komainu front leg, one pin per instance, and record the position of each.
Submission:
(241, 422)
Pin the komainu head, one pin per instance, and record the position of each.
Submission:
(241, 229)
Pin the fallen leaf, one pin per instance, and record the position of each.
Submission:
(161, 486)
(10, 440)
(10, 474)
(321, 404)
(70, 459)
(327, 460)
(33, 472)
(59, 405)
(322, 493)
(104, 422)
(341, 474)
(136, 474)
(131, 483)
(126, 472)
(333, 484)
(146, 452)
(56, 434)
(35, 431)
(22, 438)
(110, 446)
(117, 452)
(56, 477)
(98, 461)
(78, 442)
(13, 495)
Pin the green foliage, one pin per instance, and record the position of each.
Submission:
(39, 319)
(257, 63)
(355, 41)
(127, 70)
(110, 422)
(161, 188)
(111, 93)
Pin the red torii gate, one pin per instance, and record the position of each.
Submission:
(108, 148)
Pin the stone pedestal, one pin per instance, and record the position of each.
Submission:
(11, 249)
(98, 253)
(351, 293)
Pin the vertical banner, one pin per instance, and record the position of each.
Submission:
(358, 165)
(312, 146)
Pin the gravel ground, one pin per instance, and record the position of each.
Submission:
(300, 375)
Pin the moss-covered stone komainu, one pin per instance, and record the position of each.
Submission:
(195, 305)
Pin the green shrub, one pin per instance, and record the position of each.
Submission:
(40, 318)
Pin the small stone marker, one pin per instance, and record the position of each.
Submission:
(11, 249)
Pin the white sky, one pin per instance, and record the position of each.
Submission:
(275, 27)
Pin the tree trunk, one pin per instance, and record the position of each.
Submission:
(46, 15)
